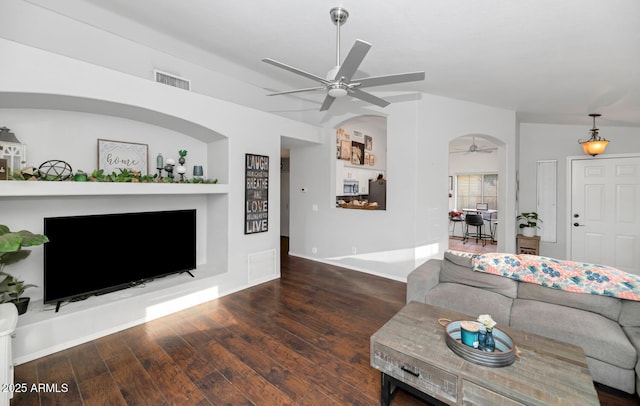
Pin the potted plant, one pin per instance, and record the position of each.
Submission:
(12, 250)
(529, 223)
(12, 290)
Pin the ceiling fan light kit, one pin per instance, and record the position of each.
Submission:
(595, 145)
(338, 90)
(338, 82)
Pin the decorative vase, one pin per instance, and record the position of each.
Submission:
(482, 338)
(489, 342)
(529, 231)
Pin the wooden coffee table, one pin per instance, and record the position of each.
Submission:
(411, 353)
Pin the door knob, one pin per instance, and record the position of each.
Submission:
(578, 225)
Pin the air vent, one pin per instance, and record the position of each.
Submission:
(262, 266)
(172, 80)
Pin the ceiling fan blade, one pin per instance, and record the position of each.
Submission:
(368, 97)
(353, 60)
(297, 90)
(328, 101)
(296, 71)
(389, 79)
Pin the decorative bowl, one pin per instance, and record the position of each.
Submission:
(504, 355)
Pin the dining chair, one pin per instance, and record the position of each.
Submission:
(476, 221)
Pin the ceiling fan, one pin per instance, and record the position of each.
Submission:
(338, 81)
(474, 148)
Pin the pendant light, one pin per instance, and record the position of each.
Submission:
(596, 144)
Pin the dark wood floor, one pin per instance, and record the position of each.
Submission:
(303, 340)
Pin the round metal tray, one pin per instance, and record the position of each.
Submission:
(504, 355)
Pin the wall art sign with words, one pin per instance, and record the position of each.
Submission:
(114, 156)
(256, 214)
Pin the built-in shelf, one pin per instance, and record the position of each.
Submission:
(43, 188)
(42, 331)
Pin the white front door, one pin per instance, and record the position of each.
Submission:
(605, 212)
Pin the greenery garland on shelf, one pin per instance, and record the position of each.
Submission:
(98, 175)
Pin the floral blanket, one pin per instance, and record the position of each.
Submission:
(565, 275)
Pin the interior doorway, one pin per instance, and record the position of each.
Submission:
(473, 185)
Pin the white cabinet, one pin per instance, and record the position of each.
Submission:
(8, 321)
(345, 172)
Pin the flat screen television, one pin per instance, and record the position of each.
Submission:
(96, 254)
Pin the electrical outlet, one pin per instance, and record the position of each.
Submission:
(354, 250)
(314, 250)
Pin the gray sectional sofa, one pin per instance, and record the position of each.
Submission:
(607, 328)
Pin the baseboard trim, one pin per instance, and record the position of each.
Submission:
(350, 267)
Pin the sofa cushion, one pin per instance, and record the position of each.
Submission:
(455, 270)
(610, 375)
(634, 336)
(630, 313)
(604, 305)
(459, 257)
(471, 301)
(600, 337)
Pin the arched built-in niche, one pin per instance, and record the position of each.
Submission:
(361, 157)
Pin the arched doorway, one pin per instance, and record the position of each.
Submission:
(474, 166)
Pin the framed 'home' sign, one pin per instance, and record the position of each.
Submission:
(117, 155)
(256, 214)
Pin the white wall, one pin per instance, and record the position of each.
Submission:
(549, 142)
(460, 164)
(414, 226)
(36, 26)
(222, 132)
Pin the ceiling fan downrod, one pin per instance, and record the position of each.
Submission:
(339, 16)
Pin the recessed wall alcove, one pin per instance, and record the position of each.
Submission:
(59, 120)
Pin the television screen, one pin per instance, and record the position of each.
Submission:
(96, 254)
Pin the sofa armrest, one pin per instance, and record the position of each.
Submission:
(423, 279)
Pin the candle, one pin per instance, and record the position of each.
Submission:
(159, 161)
(197, 170)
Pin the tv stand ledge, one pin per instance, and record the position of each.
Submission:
(41, 331)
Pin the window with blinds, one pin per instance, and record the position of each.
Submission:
(477, 188)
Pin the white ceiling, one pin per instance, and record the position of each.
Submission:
(552, 61)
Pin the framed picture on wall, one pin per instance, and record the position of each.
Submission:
(372, 159)
(339, 135)
(116, 155)
(357, 153)
(368, 142)
(358, 136)
(345, 150)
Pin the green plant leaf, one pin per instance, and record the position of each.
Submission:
(8, 258)
(10, 242)
(30, 239)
